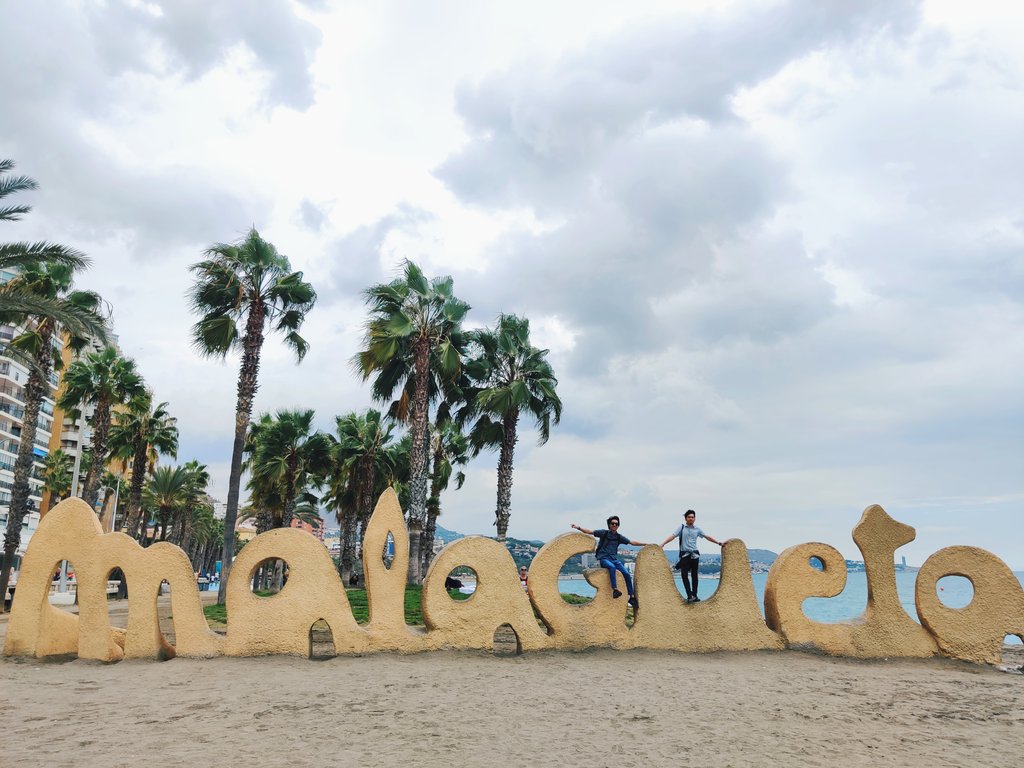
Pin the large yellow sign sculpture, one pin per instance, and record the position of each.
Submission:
(730, 620)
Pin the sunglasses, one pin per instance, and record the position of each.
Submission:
(612, 523)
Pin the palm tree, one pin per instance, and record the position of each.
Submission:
(104, 379)
(17, 297)
(240, 290)
(412, 322)
(510, 377)
(287, 458)
(362, 465)
(198, 479)
(52, 282)
(450, 449)
(138, 435)
(165, 493)
(57, 475)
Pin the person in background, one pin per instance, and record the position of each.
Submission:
(689, 556)
(607, 554)
(523, 576)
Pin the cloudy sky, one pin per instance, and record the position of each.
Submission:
(776, 249)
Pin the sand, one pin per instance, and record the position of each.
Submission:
(600, 708)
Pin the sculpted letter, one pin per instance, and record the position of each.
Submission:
(884, 629)
(601, 622)
(976, 631)
(499, 599)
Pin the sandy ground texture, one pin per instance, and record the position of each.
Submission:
(601, 708)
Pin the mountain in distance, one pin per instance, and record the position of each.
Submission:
(447, 536)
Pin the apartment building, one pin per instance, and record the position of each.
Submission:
(13, 377)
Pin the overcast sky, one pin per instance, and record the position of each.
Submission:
(776, 249)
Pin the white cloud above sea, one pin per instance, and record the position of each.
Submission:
(776, 248)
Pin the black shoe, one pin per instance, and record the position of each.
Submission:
(616, 593)
(633, 601)
(696, 599)
(690, 598)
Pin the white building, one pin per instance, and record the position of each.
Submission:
(13, 377)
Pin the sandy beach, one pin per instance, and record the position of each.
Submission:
(601, 708)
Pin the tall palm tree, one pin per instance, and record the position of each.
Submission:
(57, 475)
(241, 290)
(450, 449)
(54, 283)
(510, 377)
(139, 434)
(412, 321)
(165, 493)
(362, 464)
(104, 379)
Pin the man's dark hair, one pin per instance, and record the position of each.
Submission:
(613, 517)
(690, 512)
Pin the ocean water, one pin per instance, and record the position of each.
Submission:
(954, 591)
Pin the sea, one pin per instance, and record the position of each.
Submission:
(953, 591)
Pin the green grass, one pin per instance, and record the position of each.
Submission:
(357, 600)
(575, 599)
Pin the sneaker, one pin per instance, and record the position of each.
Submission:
(616, 593)
(633, 601)
(696, 599)
(690, 598)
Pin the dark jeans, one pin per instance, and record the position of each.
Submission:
(616, 565)
(689, 571)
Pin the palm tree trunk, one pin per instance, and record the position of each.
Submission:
(348, 545)
(100, 430)
(248, 382)
(433, 511)
(418, 457)
(135, 489)
(508, 447)
(186, 528)
(35, 387)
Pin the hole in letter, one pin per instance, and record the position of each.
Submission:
(461, 583)
(954, 591)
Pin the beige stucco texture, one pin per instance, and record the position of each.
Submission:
(281, 623)
(385, 586)
(70, 531)
(883, 630)
(499, 599)
(601, 622)
(976, 631)
(727, 621)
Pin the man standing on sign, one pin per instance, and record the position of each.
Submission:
(689, 557)
(607, 554)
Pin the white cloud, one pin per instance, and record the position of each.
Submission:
(774, 248)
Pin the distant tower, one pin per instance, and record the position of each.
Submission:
(903, 561)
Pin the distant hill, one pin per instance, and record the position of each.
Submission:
(762, 555)
(447, 536)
